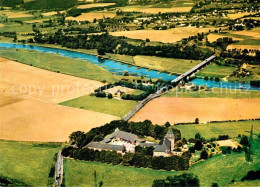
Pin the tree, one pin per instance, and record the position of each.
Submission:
(244, 141)
(204, 154)
(101, 51)
(109, 96)
(167, 124)
(198, 145)
(197, 121)
(197, 136)
(214, 185)
(77, 137)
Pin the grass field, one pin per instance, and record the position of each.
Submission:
(219, 169)
(181, 110)
(214, 70)
(28, 162)
(104, 105)
(165, 64)
(211, 130)
(64, 65)
(166, 36)
(216, 92)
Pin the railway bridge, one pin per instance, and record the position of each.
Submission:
(162, 90)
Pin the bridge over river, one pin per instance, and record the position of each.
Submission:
(162, 90)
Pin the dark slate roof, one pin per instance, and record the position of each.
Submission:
(125, 135)
(169, 133)
(145, 144)
(166, 145)
(99, 145)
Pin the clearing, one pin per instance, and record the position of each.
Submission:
(104, 105)
(181, 110)
(27, 162)
(166, 36)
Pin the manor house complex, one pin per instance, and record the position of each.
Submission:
(122, 142)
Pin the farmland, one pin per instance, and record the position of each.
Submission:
(215, 169)
(155, 10)
(91, 16)
(43, 123)
(60, 64)
(95, 5)
(166, 36)
(179, 110)
(27, 162)
(215, 93)
(104, 105)
(213, 130)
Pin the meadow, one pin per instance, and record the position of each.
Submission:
(214, 70)
(27, 162)
(58, 63)
(213, 130)
(213, 170)
(104, 105)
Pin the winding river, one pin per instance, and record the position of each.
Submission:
(119, 68)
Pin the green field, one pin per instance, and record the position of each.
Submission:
(57, 63)
(220, 169)
(104, 105)
(215, 92)
(214, 70)
(29, 163)
(211, 130)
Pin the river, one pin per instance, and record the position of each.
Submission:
(119, 68)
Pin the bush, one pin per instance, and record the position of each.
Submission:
(198, 145)
(204, 155)
(109, 96)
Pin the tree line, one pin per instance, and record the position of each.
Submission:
(117, 45)
(141, 129)
(137, 159)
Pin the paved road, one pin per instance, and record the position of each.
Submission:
(59, 170)
(161, 90)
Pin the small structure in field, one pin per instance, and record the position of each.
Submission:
(228, 143)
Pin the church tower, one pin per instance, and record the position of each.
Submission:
(170, 137)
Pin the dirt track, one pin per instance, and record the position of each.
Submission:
(179, 110)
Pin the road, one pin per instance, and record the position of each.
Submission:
(59, 170)
(161, 90)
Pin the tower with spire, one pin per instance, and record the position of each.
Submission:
(171, 138)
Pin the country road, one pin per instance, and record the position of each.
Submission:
(59, 170)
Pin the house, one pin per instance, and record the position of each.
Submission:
(167, 147)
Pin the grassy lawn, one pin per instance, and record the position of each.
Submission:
(54, 62)
(27, 162)
(214, 70)
(104, 105)
(215, 92)
(220, 169)
(211, 130)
